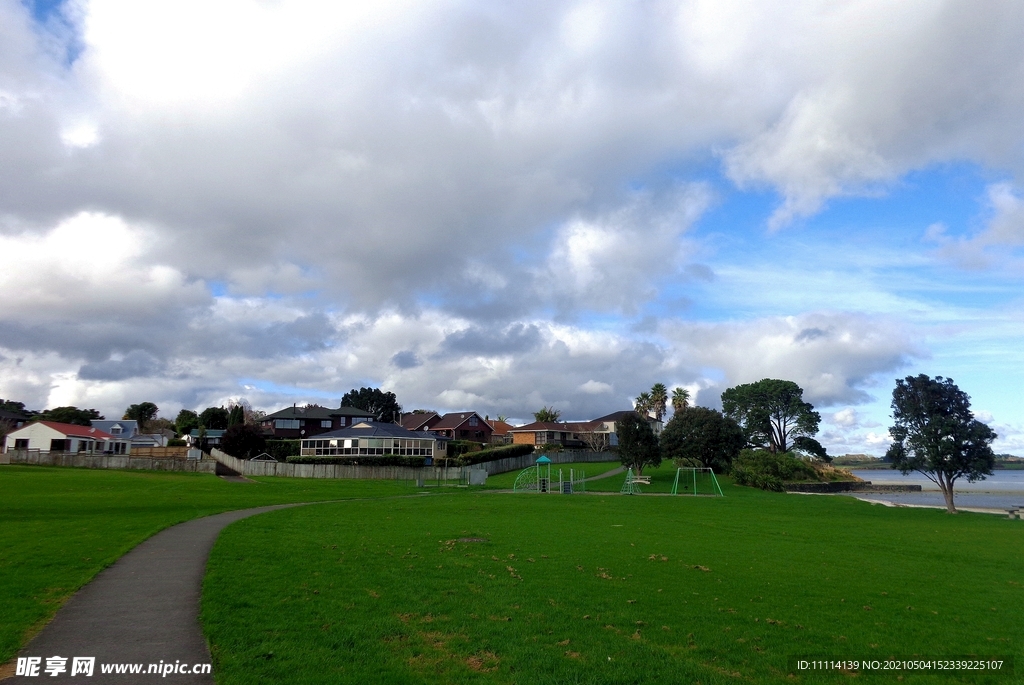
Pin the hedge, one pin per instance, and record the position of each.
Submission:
(768, 471)
(282, 449)
(494, 454)
(361, 460)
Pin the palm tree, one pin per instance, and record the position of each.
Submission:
(659, 399)
(643, 404)
(680, 399)
(547, 415)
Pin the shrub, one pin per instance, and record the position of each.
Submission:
(282, 449)
(176, 442)
(768, 471)
(243, 441)
(459, 447)
(494, 454)
(360, 460)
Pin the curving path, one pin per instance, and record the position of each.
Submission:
(144, 608)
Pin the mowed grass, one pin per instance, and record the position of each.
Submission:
(505, 481)
(61, 526)
(473, 587)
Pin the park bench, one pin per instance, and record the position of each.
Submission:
(1014, 510)
(642, 480)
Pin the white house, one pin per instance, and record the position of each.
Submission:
(51, 436)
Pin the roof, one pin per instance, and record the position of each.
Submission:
(616, 416)
(315, 411)
(574, 427)
(73, 431)
(130, 426)
(210, 433)
(374, 429)
(500, 427)
(416, 421)
(456, 419)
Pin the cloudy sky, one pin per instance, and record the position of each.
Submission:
(499, 206)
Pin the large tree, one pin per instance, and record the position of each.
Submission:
(144, 412)
(643, 404)
(236, 415)
(936, 434)
(659, 400)
(771, 413)
(214, 418)
(243, 441)
(383, 405)
(697, 436)
(638, 445)
(186, 421)
(73, 415)
(547, 415)
(680, 399)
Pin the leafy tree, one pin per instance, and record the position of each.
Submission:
(383, 405)
(214, 418)
(73, 415)
(638, 445)
(680, 399)
(697, 436)
(243, 441)
(771, 412)
(143, 413)
(186, 421)
(936, 434)
(160, 424)
(659, 400)
(547, 415)
(811, 446)
(236, 415)
(15, 407)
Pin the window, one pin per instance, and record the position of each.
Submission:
(21, 444)
(83, 446)
(292, 424)
(115, 430)
(326, 423)
(473, 421)
(57, 445)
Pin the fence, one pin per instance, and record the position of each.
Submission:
(271, 468)
(161, 452)
(106, 461)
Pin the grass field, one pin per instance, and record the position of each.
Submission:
(61, 526)
(505, 481)
(475, 586)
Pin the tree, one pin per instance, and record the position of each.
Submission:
(214, 418)
(547, 415)
(638, 445)
(642, 406)
(812, 447)
(680, 399)
(143, 413)
(936, 434)
(659, 400)
(697, 436)
(236, 415)
(72, 415)
(243, 441)
(383, 405)
(186, 421)
(771, 412)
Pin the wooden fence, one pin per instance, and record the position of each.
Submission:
(106, 461)
(161, 452)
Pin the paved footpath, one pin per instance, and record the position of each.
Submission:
(143, 609)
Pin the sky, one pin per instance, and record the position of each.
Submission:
(503, 206)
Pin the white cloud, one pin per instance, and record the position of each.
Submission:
(593, 387)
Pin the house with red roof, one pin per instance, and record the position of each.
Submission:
(420, 420)
(464, 425)
(52, 436)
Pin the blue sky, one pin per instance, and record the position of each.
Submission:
(504, 208)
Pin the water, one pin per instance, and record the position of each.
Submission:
(1001, 490)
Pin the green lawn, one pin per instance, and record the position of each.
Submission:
(505, 481)
(661, 480)
(61, 526)
(607, 589)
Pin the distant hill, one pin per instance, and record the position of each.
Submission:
(858, 460)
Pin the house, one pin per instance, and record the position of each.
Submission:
(51, 436)
(466, 425)
(128, 429)
(608, 424)
(572, 435)
(371, 438)
(302, 422)
(500, 434)
(420, 421)
(213, 437)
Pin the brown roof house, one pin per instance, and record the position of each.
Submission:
(465, 425)
(420, 421)
(312, 419)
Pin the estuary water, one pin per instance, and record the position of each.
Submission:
(1004, 488)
